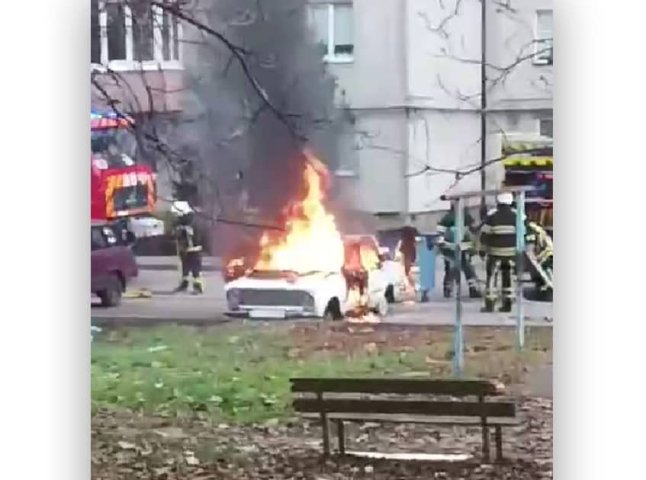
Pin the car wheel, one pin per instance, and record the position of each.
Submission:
(390, 294)
(111, 296)
(333, 310)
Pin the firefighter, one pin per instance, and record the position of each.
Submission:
(446, 243)
(189, 248)
(542, 249)
(498, 240)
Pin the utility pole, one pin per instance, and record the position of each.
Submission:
(483, 107)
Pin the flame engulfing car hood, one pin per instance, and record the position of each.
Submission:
(284, 280)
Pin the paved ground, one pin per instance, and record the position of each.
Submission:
(209, 308)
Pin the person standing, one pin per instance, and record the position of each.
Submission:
(542, 248)
(408, 246)
(189, 248)
(446, 231)
(498, 241)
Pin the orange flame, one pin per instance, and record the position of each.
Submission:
(311, 240)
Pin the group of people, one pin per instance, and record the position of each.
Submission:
(494, 240)
(497, 244)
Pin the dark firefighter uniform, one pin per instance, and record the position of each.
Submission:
(446, 231)
(498, 242)
(189, 249)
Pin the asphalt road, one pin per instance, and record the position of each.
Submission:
(164, 306)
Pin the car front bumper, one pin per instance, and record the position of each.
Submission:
(271, 313)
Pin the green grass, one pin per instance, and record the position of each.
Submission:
(241, 373)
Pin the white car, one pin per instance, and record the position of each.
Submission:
(266, 294)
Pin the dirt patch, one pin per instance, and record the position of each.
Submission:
(131, 446)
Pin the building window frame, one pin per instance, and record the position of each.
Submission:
(330, 55)
(129, 63)
(543, 40)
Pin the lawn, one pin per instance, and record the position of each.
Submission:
(240, 373)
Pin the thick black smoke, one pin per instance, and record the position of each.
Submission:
(236, 138)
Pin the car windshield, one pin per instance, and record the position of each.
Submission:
(116, 146)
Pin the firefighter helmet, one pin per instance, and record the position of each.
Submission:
(505, 198)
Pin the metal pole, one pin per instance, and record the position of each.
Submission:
(520, 260)
(458, 340)
(483, 107)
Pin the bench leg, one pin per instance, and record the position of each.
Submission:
(326, 435)
(485, 441)
(485, 432)
(341, 436)
(498, 443)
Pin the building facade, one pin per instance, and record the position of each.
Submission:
(410, 72)
(136, 66)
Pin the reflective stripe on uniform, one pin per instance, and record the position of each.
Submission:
(544, 255)
(502, 230)
(501, 251)
(451, 246)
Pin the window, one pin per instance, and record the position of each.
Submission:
(129, 35)
(544, 49)
(333, 29)
(546, 127)
(142, 30)
(116, 31)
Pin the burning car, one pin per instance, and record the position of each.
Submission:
(354, 290)
(308, 269)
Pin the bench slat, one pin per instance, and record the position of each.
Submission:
(419, 419)
(419, 407)
(455, 388)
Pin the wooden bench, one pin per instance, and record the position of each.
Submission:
(403, 400)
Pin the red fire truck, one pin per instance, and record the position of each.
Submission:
(122, 191)
(529, 161)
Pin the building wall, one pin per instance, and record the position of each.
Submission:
(511, 42)
(381, 154)
(141, 91)
(421, 59)
(436, 40)
(375, 77)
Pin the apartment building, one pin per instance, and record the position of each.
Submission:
(410, 73)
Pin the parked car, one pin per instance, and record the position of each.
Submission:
(279, 294)
(113, 264)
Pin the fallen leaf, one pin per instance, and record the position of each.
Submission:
(157, 348)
